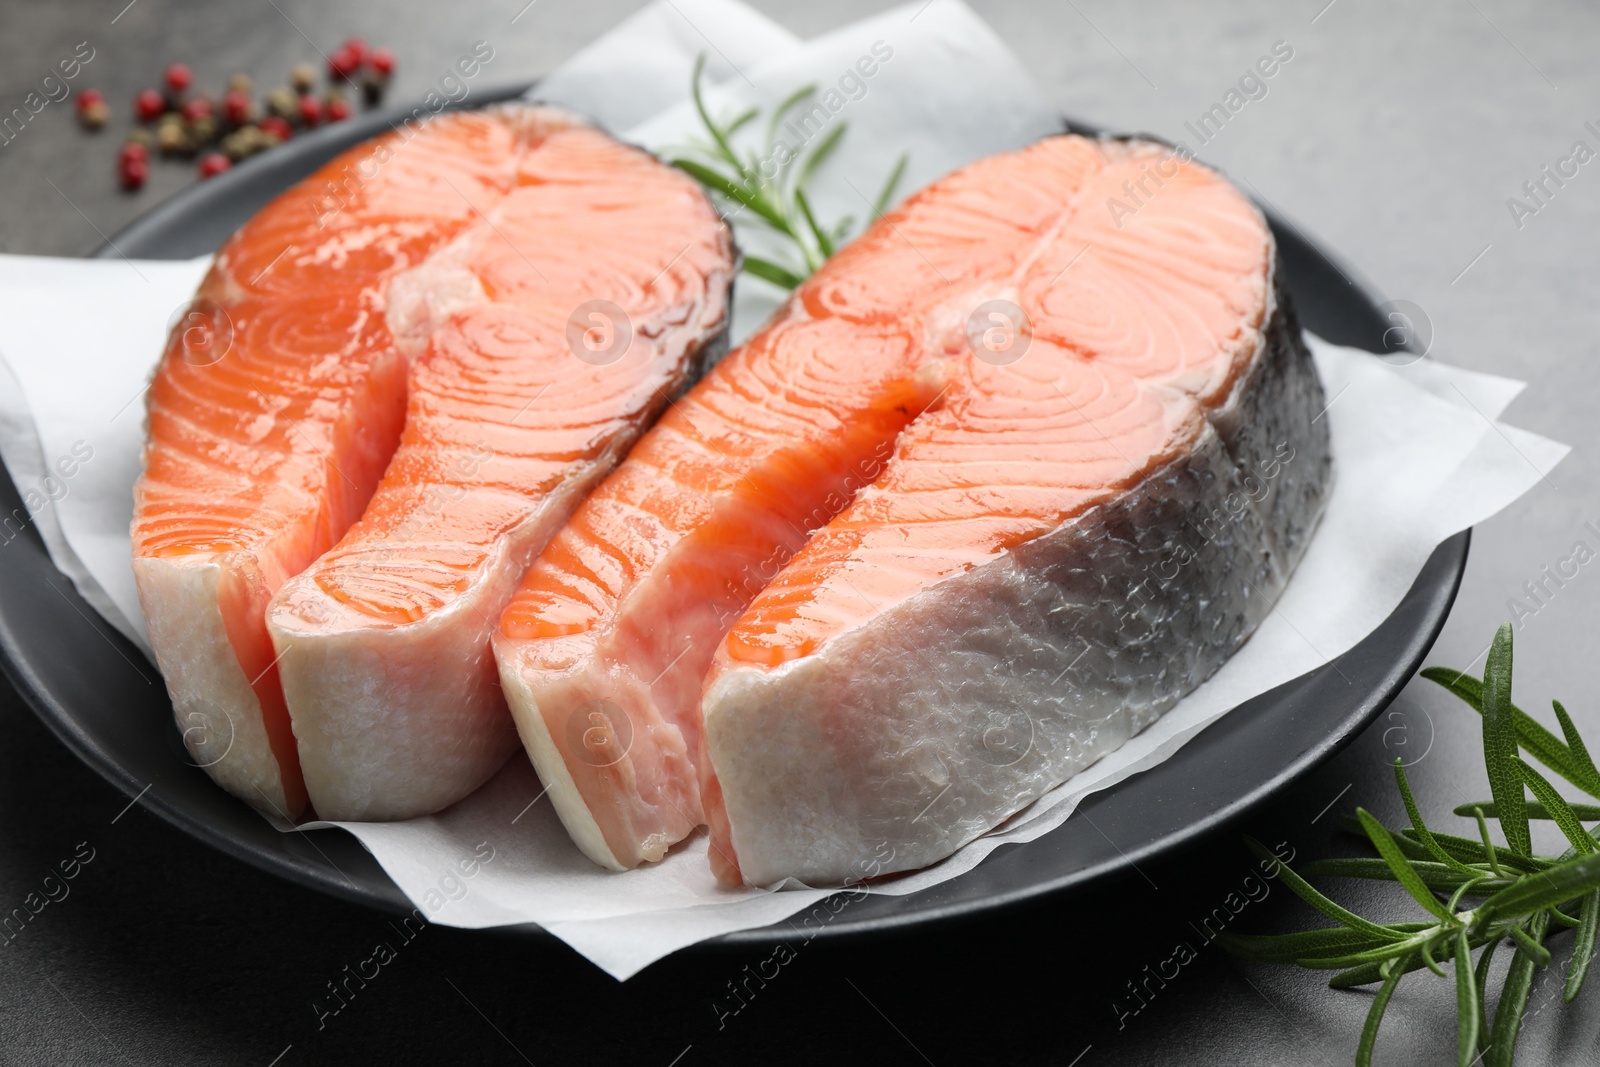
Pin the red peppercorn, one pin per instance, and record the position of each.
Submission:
(89, 96)
(213, 164)
(343, 63)
(178, 78)
(149, 105)
(236, 107)
(133, 151)
(198, 108)
(382, 61)
(277, 127)
(310, 110)
(132, 172)
(357, 47)
(338, 109)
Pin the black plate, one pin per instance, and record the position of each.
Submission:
(65, 660)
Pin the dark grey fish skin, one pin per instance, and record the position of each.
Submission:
(982, 693)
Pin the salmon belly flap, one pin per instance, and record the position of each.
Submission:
(369, 296)
(1006, 478)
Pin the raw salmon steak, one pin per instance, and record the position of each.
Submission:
(1103, 460)
(556, 330)
(284, 390)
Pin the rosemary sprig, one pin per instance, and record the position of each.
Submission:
(772, 183)
(1518, 897)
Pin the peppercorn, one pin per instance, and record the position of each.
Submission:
(283, 102)
(198, 108)
(172, 137)
(133, 165)
(149, 105)
(240, 83)
(237, 108)
(342, 63)
(337, 109)
(243, 142)
(131, 173)
(303, 77)
(94, 115)
(89, 96)
(310, 110)
(382, 62)
(212, 164)
(203, 130)
(178, 78)
(275, 127)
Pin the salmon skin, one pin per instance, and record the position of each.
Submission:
(1050, 465)
(283, 393)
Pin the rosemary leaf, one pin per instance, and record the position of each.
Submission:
(1467, 1004)
(1579, 753)
(788, 104)
(1383, 953)
(1407, 876)
(1303, 889)
(1530, 948)
(769, 271)
(1543, 744)
(1434, 875)
(1513, 1002)
(1307, 944)
(1365, 974)
(819, 155)
(1380, 1003)
(1481, 979)
(738, 122)
(1583, 944)
(1423, 834)
(1536, 810)
(1427, 958)
(1470, 851)
(1488, 845)
(886, 194)
(1559, 809)
(824, 239)
(724, 149)
(1500, 745)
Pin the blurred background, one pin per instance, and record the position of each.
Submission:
(1396, 137)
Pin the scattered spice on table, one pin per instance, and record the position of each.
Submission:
(183, 123)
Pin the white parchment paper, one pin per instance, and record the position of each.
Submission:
(1419, 455)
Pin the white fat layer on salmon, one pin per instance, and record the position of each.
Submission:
(937, 718)
(217, 711)
(383, 732)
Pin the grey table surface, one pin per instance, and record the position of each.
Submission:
(1395, 136)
